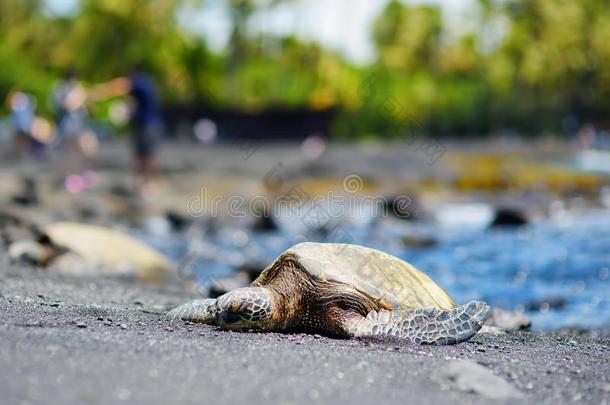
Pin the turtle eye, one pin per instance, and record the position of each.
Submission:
(237, 306)
(234, 311)
(230, 317)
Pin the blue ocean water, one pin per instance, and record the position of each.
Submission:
(564, 262)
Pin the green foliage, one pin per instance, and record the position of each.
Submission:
(553, 60)
(19, 72)
(549, 58)
(407, 37)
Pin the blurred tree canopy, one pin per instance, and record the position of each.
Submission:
(526, 65)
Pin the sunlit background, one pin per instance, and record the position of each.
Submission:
(460, 67)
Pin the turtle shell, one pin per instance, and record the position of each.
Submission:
(110, 249)
(376, 273)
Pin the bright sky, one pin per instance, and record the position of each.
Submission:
(343, 25)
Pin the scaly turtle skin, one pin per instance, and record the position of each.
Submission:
(344, 291)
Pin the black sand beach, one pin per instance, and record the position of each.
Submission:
(75, 341)
(439, 158)
(91, 340)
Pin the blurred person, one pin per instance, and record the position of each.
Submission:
(22, 107)
(145, 123)
(78, 142)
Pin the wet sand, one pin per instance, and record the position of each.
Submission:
(75, 341)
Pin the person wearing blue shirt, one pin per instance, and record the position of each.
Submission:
(145, 121)
(145, 124)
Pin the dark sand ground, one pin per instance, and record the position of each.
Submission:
(79, 341)
(75, 341)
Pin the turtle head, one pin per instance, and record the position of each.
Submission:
(245, 308)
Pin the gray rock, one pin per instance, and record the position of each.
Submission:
(508, 320)
(505, 217)
(419, 242)
(468, 376)
(223, 285)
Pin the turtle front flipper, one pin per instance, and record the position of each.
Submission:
(423, 325)
(199, 311)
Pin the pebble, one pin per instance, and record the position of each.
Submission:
(313, 395)
(468, 376)
(124, 394)
(123, 326)
(81, 325)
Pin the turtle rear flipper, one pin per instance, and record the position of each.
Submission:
(424, 325)
(198, 311)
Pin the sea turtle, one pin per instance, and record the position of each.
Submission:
(341, 290)
(71, 248)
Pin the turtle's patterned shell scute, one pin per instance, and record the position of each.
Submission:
(379, 274)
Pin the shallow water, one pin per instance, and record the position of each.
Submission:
(556, 270)
(565, 261)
